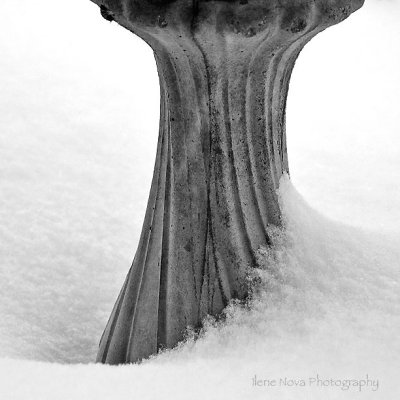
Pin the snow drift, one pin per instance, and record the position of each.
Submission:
(325, 307)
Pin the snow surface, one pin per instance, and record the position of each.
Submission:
(78, 124)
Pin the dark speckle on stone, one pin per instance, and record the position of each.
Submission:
(106, 13)
(218, 151)
(250, 32)
(162, 23)
(298, 25)
(188, 246)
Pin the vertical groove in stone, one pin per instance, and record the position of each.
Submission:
(162, 326)
(234, 184)
(108, 333)
(148, 283)
(251, 106)
(259, 146)
(248, 215)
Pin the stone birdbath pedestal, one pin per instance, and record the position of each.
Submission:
(224, 70)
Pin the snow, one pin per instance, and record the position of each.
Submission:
(78, 124)
(328, 304)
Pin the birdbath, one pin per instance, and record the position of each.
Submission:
(224, 70)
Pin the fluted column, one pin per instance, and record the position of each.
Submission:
(224, 70)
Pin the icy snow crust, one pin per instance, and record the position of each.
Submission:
(77, 148)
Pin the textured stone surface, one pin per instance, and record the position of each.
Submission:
(224, 69)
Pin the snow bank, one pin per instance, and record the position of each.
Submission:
(326, 305)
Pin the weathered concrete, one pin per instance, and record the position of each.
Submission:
(224, 69)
